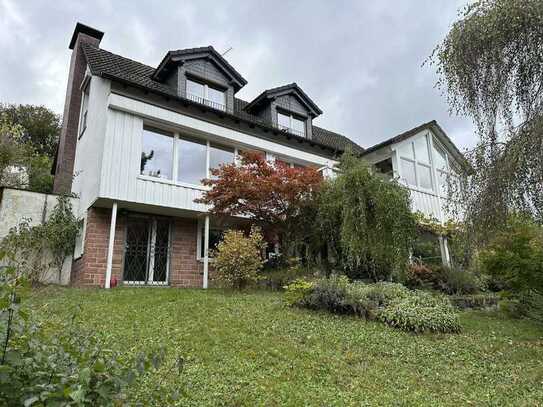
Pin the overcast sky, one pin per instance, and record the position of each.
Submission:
(360, 61)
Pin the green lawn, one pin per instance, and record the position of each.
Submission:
(250, 349)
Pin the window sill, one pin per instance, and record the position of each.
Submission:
(173, 183)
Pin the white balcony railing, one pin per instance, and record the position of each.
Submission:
(207, 102)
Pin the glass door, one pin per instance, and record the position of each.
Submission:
(147, 251)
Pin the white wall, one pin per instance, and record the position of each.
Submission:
(90, 145)
(18, 205)
(120, 176)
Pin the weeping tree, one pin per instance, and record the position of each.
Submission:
(365, 220)
(490, 67)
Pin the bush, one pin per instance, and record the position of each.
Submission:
(297, 291)
(239, 258)
(71, 368)
(449, 280)
(276, 278)
(391, 303)
(475, 301)
(421, 312)
(515, 257)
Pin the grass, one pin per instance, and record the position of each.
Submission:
(250, 349)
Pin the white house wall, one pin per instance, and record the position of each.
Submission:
(120, 176)
(90, 146)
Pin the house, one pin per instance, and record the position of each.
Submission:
(136, 141)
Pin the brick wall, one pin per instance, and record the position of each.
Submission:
(90, 269)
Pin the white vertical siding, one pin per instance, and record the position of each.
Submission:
(120, 178)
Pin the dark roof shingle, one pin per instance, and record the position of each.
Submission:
(113, 66)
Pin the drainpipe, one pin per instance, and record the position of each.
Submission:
(206, 251)
(111, 242)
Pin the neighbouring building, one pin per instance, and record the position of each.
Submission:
(136, 141)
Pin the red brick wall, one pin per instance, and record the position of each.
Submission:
(90, 269)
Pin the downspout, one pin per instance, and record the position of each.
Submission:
(206, 252)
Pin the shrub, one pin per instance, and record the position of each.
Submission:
(419, 275)
(277, 278)
(515, 257)
(421, 312)
(391, 303)
(297, 291)
(453, 280)
(475, 301)
(238, 258)
(71, 368)
(531, 305)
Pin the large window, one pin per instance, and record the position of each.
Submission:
(157, 154)
(206, 94)
(291, 124)
(415, 163)
(446, 175)
(191, 160)
(178, 158)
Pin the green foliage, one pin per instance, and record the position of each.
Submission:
(41, 126)
(391, 303)
(245, 349)
(71, 367)
(280, 275)
(450, 280)
(421, 312)
(40, 178)
(365, 220)
(475, 301)
(489, 66)
(239, 258)
(515, 256)
(296, 291)
(28, 246)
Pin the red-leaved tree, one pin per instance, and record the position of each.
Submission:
(272, 195)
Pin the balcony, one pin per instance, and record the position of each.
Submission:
(206, 102)
(291, 131)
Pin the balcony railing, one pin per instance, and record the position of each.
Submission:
(292, 131)
(207, 102)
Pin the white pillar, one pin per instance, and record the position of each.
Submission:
(110, 246)
(206, 251)
(444, 247)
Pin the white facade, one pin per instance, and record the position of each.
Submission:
(423, 164)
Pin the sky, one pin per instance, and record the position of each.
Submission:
(360, 61)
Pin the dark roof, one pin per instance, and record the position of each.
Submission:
(209, 52)
(112, 66)
(85, 29)
(440, 133)
(290, 88)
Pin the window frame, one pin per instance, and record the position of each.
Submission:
(429, 165)
(206, 100)
(291, 116)
(176, 136)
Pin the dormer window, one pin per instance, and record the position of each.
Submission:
(206, 94)
(291, 123)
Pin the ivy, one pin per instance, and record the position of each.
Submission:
(27, 246)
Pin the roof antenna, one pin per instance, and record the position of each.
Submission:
(226, 52)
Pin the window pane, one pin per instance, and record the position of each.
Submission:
(421, 150)
(408, 172)
(407, 151)
(283, 121)
(439, 158)
(218, 156)
(156, 154)
(191, 161)
(195, 89)
(425, 176)
(217, 97)
(298, 126)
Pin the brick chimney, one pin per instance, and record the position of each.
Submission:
(72, 106)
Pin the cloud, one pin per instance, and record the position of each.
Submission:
(359, 61)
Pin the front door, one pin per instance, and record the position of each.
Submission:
(146, 253)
